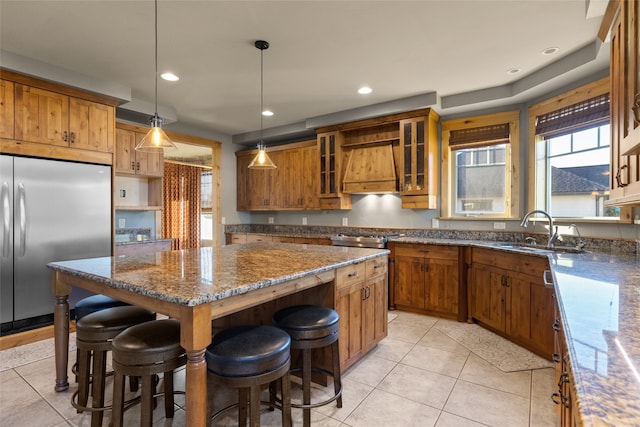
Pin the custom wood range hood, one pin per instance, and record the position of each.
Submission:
(370, 169)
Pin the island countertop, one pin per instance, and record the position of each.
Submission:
(198, 276)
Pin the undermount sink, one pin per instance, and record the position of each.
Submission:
(538, 248)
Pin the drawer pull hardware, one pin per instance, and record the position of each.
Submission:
(354, 274)
(619, 176)
(556, 325)
(556, 358)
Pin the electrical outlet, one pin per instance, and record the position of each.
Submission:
(435, 223)
(223, 221)
(499, 225)
(270, 220)
(345, 221)
(304, 220)
(122, 223)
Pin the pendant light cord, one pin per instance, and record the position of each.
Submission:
(261, 94)
(156, 54)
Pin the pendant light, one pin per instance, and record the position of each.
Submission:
(262, 159)
(156, 139)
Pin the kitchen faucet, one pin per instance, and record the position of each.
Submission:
(553, 234)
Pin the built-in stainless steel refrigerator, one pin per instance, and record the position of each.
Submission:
(50, 211)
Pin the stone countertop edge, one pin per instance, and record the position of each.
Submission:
(60, 266)
(142, 242)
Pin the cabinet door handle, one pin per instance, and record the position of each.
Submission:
(364, 293)
(72, 137)
(619, 176)
(547, 278)
(137, 166)
(556, 358)
(65, 136)
(133, 165)
(556, 325)
(368, 292)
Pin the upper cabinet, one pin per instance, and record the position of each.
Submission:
(419, 160)
(51, 118)
(6, 109)
(331, 170)
(132, 162)
(625, 101)
(45, 119)
(291, 186)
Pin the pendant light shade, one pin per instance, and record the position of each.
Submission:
(156, 139)
(262, 159)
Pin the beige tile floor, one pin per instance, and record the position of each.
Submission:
(417, 376)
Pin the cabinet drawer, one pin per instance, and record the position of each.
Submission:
(375, 267)
(427, 251)
(238, 238)
(521, 263)
(258, 238)
(346, 276)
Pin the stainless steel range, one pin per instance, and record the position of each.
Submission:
(376, 242)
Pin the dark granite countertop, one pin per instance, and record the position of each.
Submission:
(599, 301)
(197, 276)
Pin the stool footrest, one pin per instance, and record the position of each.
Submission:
(318, 404)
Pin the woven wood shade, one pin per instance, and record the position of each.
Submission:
(574, 118)
(181, 216)
(479, 137)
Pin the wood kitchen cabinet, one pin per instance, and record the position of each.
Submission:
(6, 109)
(361, 302)
(507, 295)
(330, 173)
(53, 118)
(419, 161)
(291, 186)
(426, 278)
(132, 162)
(564, 396)
(625, 105)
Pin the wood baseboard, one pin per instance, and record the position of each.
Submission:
(27, 337)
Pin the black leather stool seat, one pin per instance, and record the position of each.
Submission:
(95, 303)
(94, 335)
(312, 327)
(248, 357)
(150, 342)
(307, 322)
(145, 350)
(247, 350)
(106, 324)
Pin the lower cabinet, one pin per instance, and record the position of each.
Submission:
(507, 294)
(427, 278)
(564, 396)
(232, 238)
(361, 302)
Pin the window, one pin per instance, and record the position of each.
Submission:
(206, 203)
(571, 149)
(479, 177)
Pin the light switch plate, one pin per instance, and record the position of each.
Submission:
(271, 220)
(435, 223)
(122, 223)
(304, 220)
(499, 225)
(345, 221)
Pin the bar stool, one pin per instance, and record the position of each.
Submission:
(94, 335)
(311, 327)
(246, 358)
(145, 350)
(90, 305)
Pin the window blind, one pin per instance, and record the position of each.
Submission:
(574, 118)
(479, 137)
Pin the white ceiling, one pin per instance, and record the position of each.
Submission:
(321, 52)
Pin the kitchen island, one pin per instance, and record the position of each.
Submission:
(196, 286)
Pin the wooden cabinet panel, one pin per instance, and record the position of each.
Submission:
(258, 238)
(91, 125)
(507, 294)
(132, 162)
(426, 278)
(361, 301)
(41, 116)
(7, 115)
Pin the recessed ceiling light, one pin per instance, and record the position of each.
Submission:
(365, 90)
(170, 77)
(550, 50)
(514, 70)
(267, 113)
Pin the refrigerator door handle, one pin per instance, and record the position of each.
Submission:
(6, 220)
(22, 206)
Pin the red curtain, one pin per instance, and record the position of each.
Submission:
(181, 216)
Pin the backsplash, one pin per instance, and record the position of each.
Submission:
(618, 246)
(124, 235)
